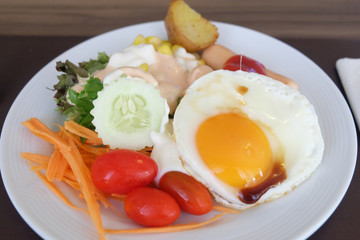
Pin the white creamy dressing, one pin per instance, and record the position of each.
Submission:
(130, 72)
(172, 75)
(133, 56)
(165, 154)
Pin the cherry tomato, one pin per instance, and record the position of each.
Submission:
(241, 62)
(121, 170)
(191, 195)
(151, 207)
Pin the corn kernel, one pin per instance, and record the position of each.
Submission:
(175, 47)
(139, 40)
(155, 41)
(201, 62)
(165, 42)
(165, 49)
(144, 67)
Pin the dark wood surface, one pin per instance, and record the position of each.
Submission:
(281, 18)
(22, 57)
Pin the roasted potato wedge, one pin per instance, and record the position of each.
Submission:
(188, 28)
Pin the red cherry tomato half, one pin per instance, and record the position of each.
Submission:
(121, 170)
(151, 207)
(241, 62)
(191, 195)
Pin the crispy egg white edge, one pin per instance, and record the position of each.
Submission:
(293, 121)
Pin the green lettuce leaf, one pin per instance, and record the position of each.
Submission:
(80, 111)
(94, 65)
(77, 106)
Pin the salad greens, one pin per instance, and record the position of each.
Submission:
(80, 111)
(93, 65)
(77, 105)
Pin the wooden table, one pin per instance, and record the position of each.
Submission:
(24, 52)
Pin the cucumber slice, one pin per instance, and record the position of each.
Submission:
(127, 111)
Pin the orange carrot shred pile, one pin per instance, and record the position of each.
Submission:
(71, 162)
(66, 154)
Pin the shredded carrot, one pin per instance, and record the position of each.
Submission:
(69, 175)
(76, 139)
(53, 164)
(37, 167)
(35, 158)
(41, 130)
(71, 163)
(146, 151)
(80, 170)
(74, 184)
(119, 197)
(171, 228)
(62, 165)
(224, 209)
(82, 174)
(96, 142)
(100, 196)
(90, 136)
(79, 130)
(55, 190)
(87, 155)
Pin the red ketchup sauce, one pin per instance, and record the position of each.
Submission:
(241, 62)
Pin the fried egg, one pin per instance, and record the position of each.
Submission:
(248, 138)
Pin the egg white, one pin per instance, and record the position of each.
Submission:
(282, 112)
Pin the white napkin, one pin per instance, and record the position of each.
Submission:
(349, 73)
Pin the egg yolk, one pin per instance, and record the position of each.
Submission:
(235, 148)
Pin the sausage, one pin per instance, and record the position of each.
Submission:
(216, 55)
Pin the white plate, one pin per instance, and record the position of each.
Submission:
(295, 216)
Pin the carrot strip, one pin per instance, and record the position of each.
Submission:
(95, 150)
(146, 151)
(94, 141)
(81, 172)
(37, 167)
(35, 158)
(53, 165)
(119, 197)
(106, 203)
(79, 130)
(63, 165)
(224, 209)
(41, 130)
(69, 175)
(55, 190)
(171, 228)
(75, 185)
(82, 175)
(99, 195)
(87, 155)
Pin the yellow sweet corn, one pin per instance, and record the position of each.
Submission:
(155, 41)
(165, 49)
(139, 40)
(144, 67)
(165, 42)
(201, 62)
